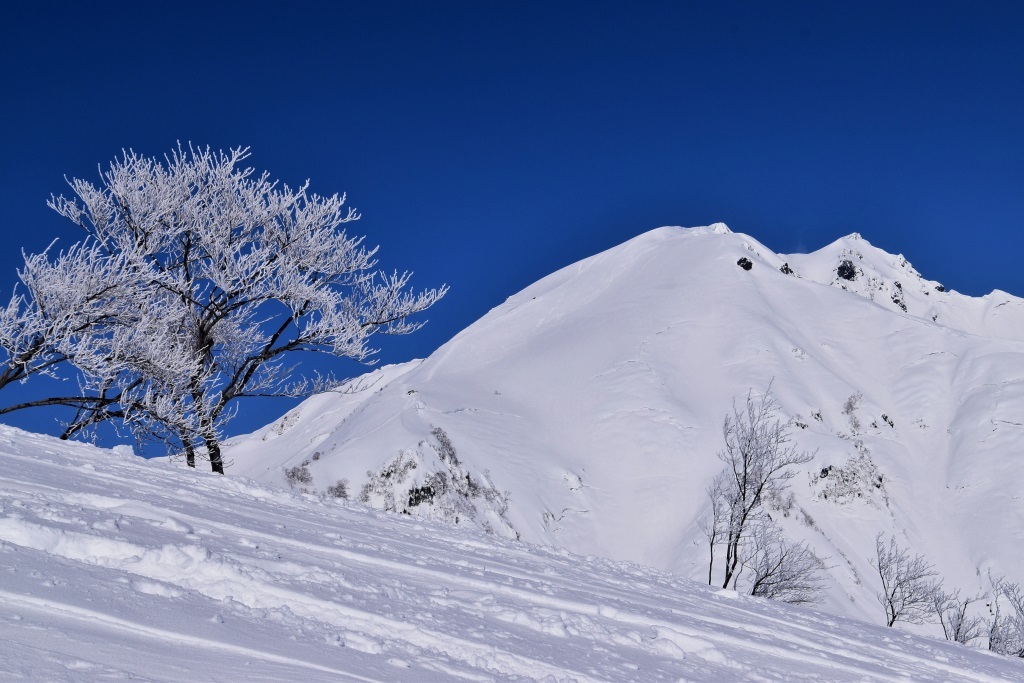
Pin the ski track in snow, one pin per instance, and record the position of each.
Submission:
(112, 567)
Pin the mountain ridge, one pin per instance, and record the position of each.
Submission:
(594, 399)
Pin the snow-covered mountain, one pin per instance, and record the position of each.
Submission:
(115, 568)
(585, 412)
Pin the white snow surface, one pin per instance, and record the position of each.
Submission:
(595, 397)
(113, 567)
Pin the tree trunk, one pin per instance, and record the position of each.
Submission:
(190, 451)
(209, 434)
(732, 559)
(213, 448)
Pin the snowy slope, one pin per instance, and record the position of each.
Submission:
(594, 399)
(115, 567)
(892, 282)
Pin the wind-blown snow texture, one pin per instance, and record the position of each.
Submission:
(595, 397)
(114, 567)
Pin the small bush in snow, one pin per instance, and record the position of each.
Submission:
(1006, 624)
(299, 475)
(445, 449)
(450, 493)
(908, 583)
(783, 570)
(422, 494)
(855, 480)
(780, 500)
(381, 485)
(338, 490)
(850, 410)
(951, 610)
(286, 422)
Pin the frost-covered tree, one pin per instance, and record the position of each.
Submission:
(757, 456)
(908, 583)
(951, 609)
(783, 570)
(717, 523)
(82, 308)
(242, 272)
(64, 301)
(1006, 623)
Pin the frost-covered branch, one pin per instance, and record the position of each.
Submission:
(908, 583)
(197, 278)
(757, 456)
(1006, 622)
(952, 612)
(783, 570)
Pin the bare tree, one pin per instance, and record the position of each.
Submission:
(951, 610)
(1006, 623)
(716, 524)
(243, 271)
(908, 583)
(756, 456)
(783, 570)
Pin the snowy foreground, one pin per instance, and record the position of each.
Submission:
(114, 567)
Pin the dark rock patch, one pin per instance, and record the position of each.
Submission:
(897, 297)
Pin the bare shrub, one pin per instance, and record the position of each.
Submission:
(756, 456)
(784, 570)
(338, 490)
(850, 410)
(951, 610)
(299, 475)
(1006, 623)
(908, 583)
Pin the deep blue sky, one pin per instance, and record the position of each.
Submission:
(488, 144)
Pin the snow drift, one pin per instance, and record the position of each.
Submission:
(115, 567)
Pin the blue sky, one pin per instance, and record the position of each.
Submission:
(489, 144)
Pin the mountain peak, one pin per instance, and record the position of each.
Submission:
(585, 412)
(853, 264)
(679, 230)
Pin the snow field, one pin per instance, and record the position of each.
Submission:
(114, 567)
(595, 398)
